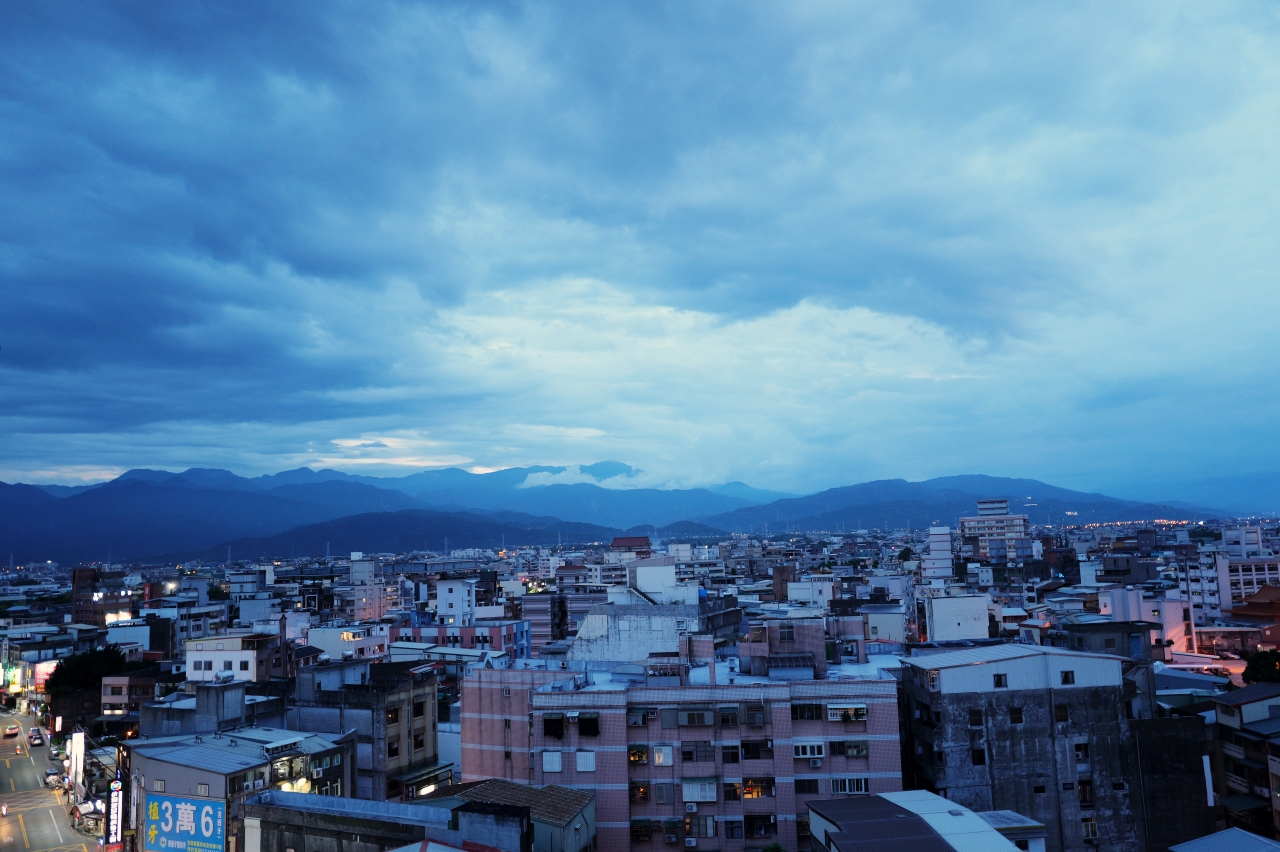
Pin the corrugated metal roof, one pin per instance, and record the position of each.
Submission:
(1255, 692)
(1231, 840)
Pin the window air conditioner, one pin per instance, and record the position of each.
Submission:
(691, 841)
(815, 762)
(652, 714)
(691, 808)
(248, 785)
(316, 773)
(259, 784)
(671, 838)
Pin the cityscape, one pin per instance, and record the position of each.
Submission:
(503, 426)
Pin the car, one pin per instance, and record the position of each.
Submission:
(12, 731)
(52, 773)
(37, 740)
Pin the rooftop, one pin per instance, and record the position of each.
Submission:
(552, 804)
(1231, 840)
(1254, 692)
(995, 653)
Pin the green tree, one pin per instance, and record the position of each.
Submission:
(1263, 667)
(905, 554)
(84, 672)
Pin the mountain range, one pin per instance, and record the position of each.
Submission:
(152, 514)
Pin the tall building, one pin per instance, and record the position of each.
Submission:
(993, 521)
(937, 562)
(685, 753)
(1049, 733)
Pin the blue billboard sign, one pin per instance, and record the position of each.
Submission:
(180, 824)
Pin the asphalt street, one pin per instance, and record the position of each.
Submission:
(37, 819)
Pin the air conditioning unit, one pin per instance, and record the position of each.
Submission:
(652, 714)
(316, 773)
(773, 817)
(671, 838)
(815, 762)
(691, 808)
(768, 743)
(691, 841)
(248, 785)
(259, 784)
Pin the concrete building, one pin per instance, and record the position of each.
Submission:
(679, 752)
(199, 770)
(1247, 736)
(937, 563)
(392, 709)
(953, 618)
(564, 820)
(993, 521)
(251, 657)
(510, 636)
(1047, 732)
(349, 641)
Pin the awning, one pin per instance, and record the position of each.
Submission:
(1244, 802)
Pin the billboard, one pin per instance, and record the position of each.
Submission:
(181, 823)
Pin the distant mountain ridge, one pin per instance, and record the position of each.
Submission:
(148, 512)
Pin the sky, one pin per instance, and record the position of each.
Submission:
(798, 245)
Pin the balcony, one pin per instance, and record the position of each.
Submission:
(1233, 750)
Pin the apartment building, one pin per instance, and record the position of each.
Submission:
(392, 707)
(689, 754)
(1049, 733)
(1246, 759)
(993, 521)
(510, 636)
(252, 657)
(349, 641)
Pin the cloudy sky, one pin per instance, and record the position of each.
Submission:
(799, 245)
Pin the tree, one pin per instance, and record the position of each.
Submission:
(1263, 667)
(84, 672)
(905, 554)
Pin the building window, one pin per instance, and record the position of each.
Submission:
(729, 754)
(728, 717)
(697, 752)
(757, 788)
(806, 786)
(393, 748)
(975, 718)
(698, 789)
(637, 755)
(1085, 791)
(1015, 715)
(1001, 681)
(732, 791)
(244, 665)
(808, 750)
(419, 708)
(979, 756)
(699, 826)
(551, 761)
(393, 715)
(663, 756)
(1061, 713)
(1068, 678)
(757, 750)
(806, 713)
(506, 723)
(664, 794)
(849, 748)
(588, 724)
(586, 761)
(553, 725)
(419, 741)
(117, 690)
(850, 785)
(1089, 828)
(506, 755)
(733, 830)
(1082, 752)
(639, 791)
(158, 786)
(787, 632)
(226, 665)
(506, 692)
(641, 829)
(694, 718)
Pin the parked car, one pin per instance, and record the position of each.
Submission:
(36, 739)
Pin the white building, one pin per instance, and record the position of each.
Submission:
(937, 561)
(956, 617)
(994, 521)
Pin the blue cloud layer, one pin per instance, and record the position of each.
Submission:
(795, 246)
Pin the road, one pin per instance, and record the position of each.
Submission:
(37, 820)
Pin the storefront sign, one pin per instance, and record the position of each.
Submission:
(179, 823)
